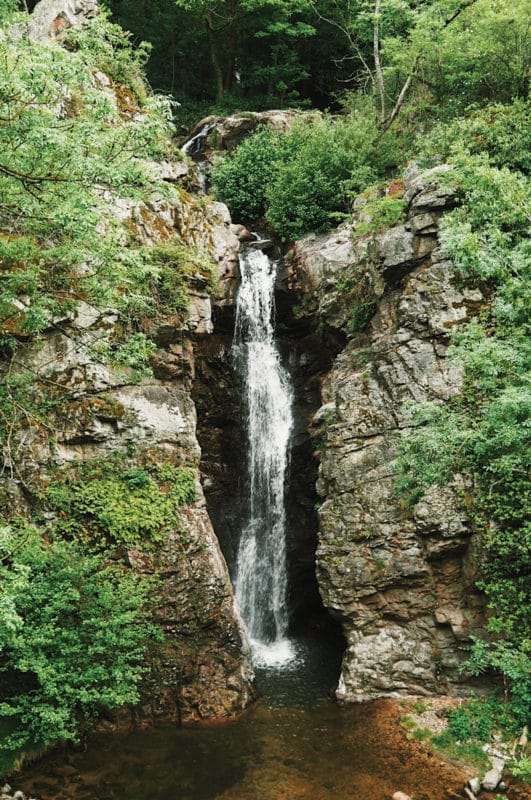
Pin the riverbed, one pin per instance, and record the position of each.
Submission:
(294, 743)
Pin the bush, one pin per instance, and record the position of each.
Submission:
(501, 131)
(73, 638)
(108, 504)
(321, 168)
(305, 179)
(242, 178)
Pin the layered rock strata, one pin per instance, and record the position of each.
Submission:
(203, 670)
(401, 583)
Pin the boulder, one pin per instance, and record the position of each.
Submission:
(491, 780)
(51, 18)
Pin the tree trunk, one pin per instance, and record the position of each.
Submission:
(218, 73)
(377, 64)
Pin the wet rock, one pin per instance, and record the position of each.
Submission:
(243, 234)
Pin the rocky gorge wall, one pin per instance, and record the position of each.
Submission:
(401, 583)
(203, 668)
(100, 412)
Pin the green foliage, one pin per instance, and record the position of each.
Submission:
(356, 288)
(478, 721)
(321, 164)
(470, 753)
(522, 769)
(63, 140)
(306, 178)
(74, 637)
(380, 213)
(500, 131)
(483, 434)
(135, 354)
(174, 268)
(107, 504)
(109, 48)
(7, 9)
(242, 178)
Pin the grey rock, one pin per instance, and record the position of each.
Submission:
(491, 780)
(474, 784)
(398, 583)
(50, 18)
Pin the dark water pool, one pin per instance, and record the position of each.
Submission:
(294, 743)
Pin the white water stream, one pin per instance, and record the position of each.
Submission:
(261, 575)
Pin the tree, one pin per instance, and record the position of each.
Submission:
(74, 635)
(413, 27)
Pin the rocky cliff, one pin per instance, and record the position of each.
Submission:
(203, 669)
(400, 582)
(112, 418)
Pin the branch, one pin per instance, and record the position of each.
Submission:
(32, 180)
(386, 123)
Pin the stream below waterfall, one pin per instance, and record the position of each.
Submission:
(295, 743)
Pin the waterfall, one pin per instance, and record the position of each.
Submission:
(261, 575)
(194, 148)
(196, 144)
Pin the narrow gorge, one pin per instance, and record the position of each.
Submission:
(254, 521)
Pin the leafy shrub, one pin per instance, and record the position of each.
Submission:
(110, 50)
(74, 637)
(306, 178)
(107, 504)
(501, 131)
(320, 167)
(383, 212)
(242, 178)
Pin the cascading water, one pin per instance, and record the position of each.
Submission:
(261, 575)
(194, 148)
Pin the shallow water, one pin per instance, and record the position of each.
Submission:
(292, 744)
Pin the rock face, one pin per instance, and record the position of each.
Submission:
(228, 132)
(51, 18)
(401, 584)
(203, 669)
